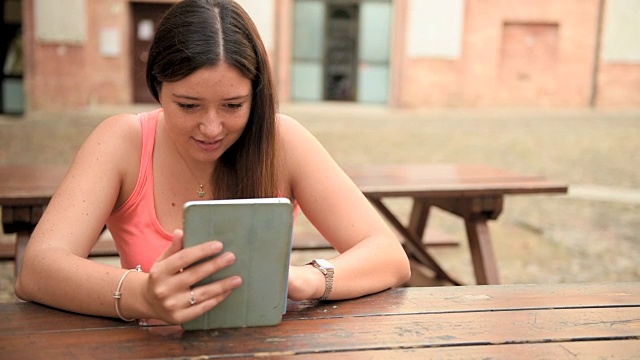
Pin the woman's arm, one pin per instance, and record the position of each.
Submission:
(56, 271)
(371, 258)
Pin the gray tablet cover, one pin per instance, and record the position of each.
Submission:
(258, 232)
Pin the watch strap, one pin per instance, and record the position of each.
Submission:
(326, 268)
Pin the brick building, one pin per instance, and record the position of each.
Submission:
(76, 54)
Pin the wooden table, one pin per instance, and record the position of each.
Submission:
(25, 191)
(473, 192)
(559, 321)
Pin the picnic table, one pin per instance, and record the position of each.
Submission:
(549, 321)
(473, 192)
(25, 191)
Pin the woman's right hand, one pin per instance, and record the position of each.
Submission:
(170, 289)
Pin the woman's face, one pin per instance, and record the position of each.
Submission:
(207, 111)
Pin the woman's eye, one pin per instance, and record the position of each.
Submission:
(233, 106)
(187, 106)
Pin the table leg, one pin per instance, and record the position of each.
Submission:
(22, 238)
(21, 220)
(476, 211)
(414, 242)
(419, 217)
(484, 262)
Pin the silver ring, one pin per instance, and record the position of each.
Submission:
(192, 298)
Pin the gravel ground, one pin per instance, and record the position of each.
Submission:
(591, 234)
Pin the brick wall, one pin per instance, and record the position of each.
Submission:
(67, 77)
(515, 53)
(529, 53)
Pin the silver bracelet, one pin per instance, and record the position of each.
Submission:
(118, 294)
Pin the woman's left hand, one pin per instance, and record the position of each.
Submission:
(305, 283)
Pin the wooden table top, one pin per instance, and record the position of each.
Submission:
(29, 184)
(446, 180)
(506, 321)
(26, 184)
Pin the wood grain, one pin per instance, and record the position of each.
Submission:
(532, 321)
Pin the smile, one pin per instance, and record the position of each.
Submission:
(208, 145)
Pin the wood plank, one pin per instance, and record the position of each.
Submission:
(337, 334)
(462, 190)
(7, 250)
(309, 240)
(447, 299)
(616, 349)
(29, 184)
(25, 317)
(446, 180)
(301, 241)
(26, 184)
(405, 301)
(103, 247)
(312, 240)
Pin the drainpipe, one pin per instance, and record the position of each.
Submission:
(596, 56)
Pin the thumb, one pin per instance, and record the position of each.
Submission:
(176, 245)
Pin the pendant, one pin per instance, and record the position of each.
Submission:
(201, 192)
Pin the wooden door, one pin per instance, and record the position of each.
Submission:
(146, 17)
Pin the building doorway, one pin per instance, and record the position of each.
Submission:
(341, 50)
(11, 58)
(341, 58)
(146, 17)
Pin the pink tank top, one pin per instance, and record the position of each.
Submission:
(136, 231)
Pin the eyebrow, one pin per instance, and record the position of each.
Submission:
(188, 97)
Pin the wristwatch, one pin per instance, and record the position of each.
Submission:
(327, 269)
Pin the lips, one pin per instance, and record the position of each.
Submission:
(208, 145)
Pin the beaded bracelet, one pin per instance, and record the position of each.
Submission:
(118, 294)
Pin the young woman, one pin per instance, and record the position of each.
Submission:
(215, 136)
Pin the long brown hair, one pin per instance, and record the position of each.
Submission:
(198, 33)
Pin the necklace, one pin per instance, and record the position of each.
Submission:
(201, 191)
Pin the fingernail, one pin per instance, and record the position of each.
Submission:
(216, 246)
(236, 282)
(228, 258)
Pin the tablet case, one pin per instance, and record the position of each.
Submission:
(258, 232)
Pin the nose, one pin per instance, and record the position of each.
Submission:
(211, 124)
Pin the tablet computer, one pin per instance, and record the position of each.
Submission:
(258, 232)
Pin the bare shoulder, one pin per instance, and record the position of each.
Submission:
(298, 144)
(111, 156)
(120, 128)
(115, 142)
(302, 154)
(292, 133)
(286, 123)
(116, 135)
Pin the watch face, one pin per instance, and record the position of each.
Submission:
(324, 263)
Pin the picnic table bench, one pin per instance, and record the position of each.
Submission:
(546, 321)
(473, 192)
